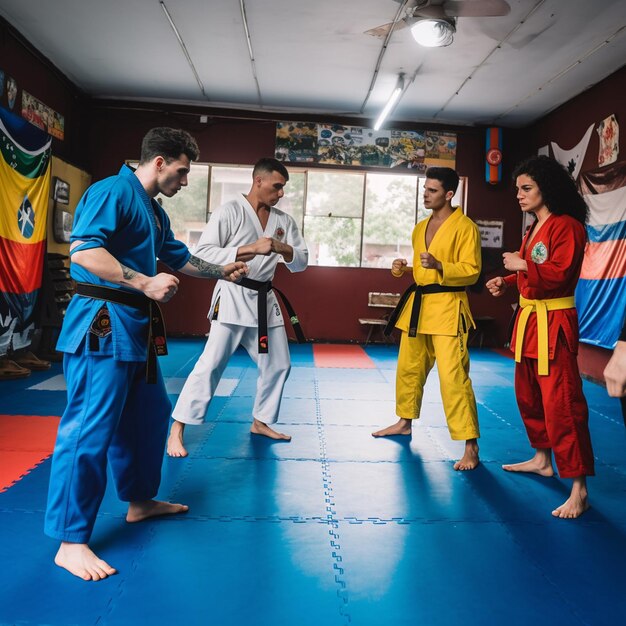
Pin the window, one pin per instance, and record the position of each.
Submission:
(348, 218)
(388, 218)
(227, 183)
(333, 217)
(187, 209)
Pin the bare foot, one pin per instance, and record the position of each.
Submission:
(577, 503)
(144, 509)
(401, 427)
(78, 559)
(540, 464)
(573, 507)
(261, 428)
(470, 457)
(175, 445)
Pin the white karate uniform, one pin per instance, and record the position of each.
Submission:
(234, 311)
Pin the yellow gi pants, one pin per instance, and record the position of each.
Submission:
(416, 358)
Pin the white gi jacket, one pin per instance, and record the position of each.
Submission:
(236, 224)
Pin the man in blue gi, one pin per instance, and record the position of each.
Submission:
(117, 401)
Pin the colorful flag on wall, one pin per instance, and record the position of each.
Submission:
(24, 191)
(493, 155)
(601, 291)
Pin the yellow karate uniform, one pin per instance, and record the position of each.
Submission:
(443, 326)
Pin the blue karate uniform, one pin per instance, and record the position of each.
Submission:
(111, 411)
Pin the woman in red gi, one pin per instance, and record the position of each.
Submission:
(548, 386)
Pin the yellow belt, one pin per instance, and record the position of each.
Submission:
(541, 307)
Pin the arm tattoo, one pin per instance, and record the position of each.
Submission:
(127, 273)
(208, 270)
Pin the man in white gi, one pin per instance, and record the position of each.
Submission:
(251, 229)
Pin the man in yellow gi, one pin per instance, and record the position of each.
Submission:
(435, 318)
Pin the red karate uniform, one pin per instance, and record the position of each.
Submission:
(553, 407)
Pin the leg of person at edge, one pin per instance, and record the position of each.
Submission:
(112, 412)
(615, 372)
(548, 385)
(446, 252)
(249, 228)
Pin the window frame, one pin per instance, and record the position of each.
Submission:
(305, 169)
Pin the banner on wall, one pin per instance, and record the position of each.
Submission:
(42, 116)
(333, 144)
(572, 159)
(24, 192)
(493, 155)
(601, 291)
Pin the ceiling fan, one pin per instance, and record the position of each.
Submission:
(440, 15)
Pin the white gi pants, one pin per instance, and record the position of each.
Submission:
(274, 368)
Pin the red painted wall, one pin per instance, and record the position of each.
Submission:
(328, 300)
(566, 127)
(567, 124)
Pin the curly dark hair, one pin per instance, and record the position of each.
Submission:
(557, 187)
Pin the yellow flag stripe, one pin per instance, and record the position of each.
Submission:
(23, 205)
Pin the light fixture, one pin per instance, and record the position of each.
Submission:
(434, 33)
(393, 99)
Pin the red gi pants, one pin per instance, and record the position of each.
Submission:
(554, 411)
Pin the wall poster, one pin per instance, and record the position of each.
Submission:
(334, 144)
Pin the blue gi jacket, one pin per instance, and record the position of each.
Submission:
(116, 214)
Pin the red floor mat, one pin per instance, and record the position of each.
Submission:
(331, 355)
(25, 441)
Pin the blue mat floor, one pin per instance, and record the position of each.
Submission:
(335, 527)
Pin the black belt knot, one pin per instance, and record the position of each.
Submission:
(264, 288)
(419, 290)
(157, 339)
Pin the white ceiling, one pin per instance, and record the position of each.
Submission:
(312, 56)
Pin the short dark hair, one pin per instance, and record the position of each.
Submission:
(557, 187)
(169, 143)
(448, 177)
(268, 165)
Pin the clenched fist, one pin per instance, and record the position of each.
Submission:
(161, 287)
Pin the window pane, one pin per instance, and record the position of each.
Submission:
(227, 183)
(389, 218)
(187, 209)
(293, 200)
(333, 240)
(334, 194)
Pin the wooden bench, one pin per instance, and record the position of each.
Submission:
(379, 300)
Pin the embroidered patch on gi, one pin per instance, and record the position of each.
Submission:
(280, 233)
(539, 253)
(101, 325)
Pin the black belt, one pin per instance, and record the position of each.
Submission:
(157, 342)
(419, 290)
(264, 288)
(511, 326)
